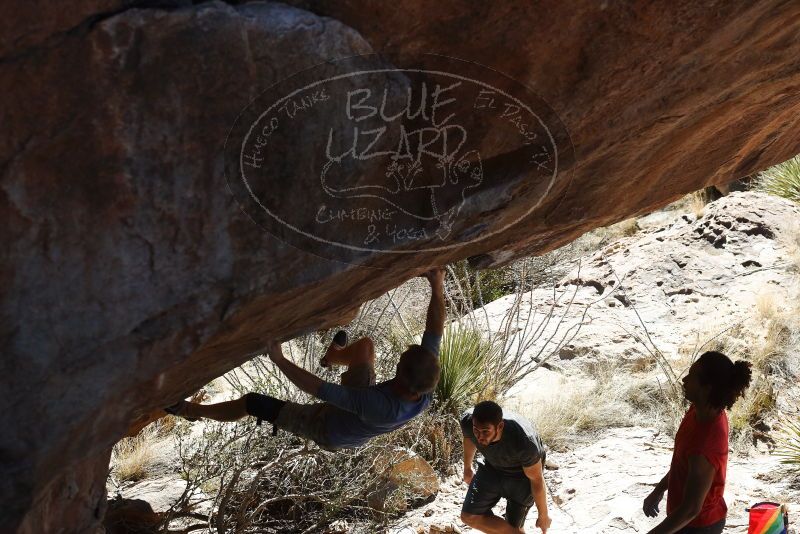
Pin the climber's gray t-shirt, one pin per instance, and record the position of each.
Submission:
(519, 446)
(370, 411)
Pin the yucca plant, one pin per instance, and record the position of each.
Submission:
(788, 442)
(466, 356)
(782, 180)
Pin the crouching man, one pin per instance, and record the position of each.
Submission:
(512, 469)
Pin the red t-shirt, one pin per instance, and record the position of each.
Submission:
(709, 439)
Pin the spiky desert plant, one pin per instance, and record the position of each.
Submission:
(788, 449)
(782, 180)
(465, 356)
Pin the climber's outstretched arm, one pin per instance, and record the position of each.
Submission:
(435, 320)
(301, 378)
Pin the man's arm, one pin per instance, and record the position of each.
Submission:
(308, 382)
(434, 322)
(469, 456)
(698, 482)
(538, 490)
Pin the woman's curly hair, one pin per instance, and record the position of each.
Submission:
(728, 380)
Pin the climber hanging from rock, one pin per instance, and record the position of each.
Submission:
(357, 410)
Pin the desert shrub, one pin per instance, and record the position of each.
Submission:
(528, 334)
(474, 288)
(782, 180)
(263, 483)
(654, 405)
(751, 411)
(627, 398)
(132, 457)
(772, 353)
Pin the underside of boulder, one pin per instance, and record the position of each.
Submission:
(134, 271)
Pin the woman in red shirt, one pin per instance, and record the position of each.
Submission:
(696, 478)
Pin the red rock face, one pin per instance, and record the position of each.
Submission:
(130, 274)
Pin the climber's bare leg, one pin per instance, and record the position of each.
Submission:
(358, 352)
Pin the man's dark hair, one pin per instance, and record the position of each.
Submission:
(488, 412)
(419, 369)
(728, 380)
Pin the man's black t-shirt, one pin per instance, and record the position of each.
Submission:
(519, 446)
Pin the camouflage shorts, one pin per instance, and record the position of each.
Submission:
(309, 421)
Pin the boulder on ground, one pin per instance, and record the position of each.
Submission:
(404, 478)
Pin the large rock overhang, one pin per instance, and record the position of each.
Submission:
(131, 275)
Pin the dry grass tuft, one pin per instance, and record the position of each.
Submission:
(773, 348)
(697, 203)
(655, 402)
(767, 305)
(613, 232)
(790, 236)
(131, 457)
(694, 203)
(166, 425)
(625, 228)
(571, 409)
(751, 410)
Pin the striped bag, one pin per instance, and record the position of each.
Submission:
(768, 518)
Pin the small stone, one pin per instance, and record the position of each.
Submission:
(550, 464)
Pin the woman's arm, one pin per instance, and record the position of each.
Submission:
(701, 475)
(650, 505)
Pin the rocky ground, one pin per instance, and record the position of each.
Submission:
(684, 278)
(599, 486)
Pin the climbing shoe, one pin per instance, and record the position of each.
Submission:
(340, 340)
